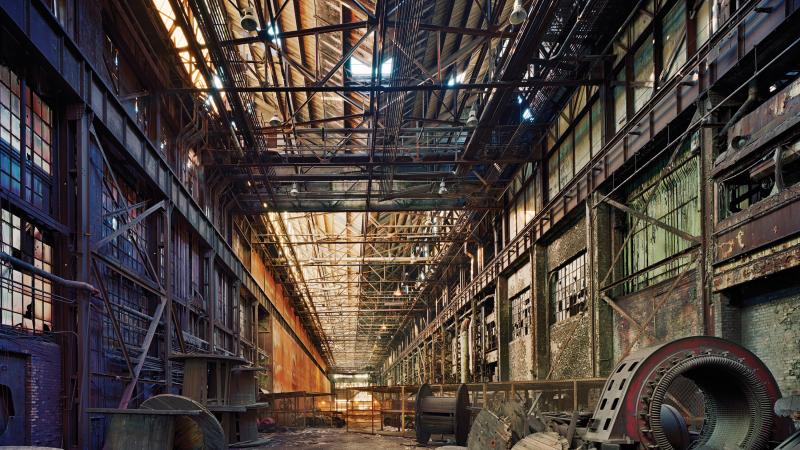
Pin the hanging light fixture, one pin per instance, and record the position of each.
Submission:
(294, 191)
(472, 120)
(398, 292)
(442, 188)
(249, 21)
(518, 14)
(274, 121)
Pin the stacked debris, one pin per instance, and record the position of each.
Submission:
(507, 426)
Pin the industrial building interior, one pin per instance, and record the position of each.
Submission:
(389, 224)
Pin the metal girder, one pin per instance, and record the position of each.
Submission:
(359, 160)
(263, 35)
(520, 86)
(125, 227)
(653, 221)
(360, 208)
(328, 177)
(148, 339)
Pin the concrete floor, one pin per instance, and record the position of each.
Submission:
(338, 439)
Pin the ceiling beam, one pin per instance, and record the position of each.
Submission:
(523, 85)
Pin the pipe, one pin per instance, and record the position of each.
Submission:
(471, 260)
(747, 106)
(470, 340)
(464, 346)
(23, 265)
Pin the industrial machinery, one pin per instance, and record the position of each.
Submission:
(442, 415)
(697, 392)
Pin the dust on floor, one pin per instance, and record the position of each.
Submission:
(338, 439)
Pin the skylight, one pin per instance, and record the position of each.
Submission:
(272, 32)
(527, 114)
(457, 78)
(360, 69)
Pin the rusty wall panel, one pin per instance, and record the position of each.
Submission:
(778, 223)
(680, 316)
(759, 264)
(282, 303)
(292, 370)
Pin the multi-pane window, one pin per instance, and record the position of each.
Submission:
(673, 34)
(36, 163)
(123, 247)
(670, 195)
(223, 303)
(25, 299)
(568, 288)
(10, 133)
(10, 108)
(521, 314)
(38, 120)
(522, 199)
(573, 139)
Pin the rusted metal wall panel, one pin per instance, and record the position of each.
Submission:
(292, 370)
(759, 264)
(679, 316)
(281, 302)
(761, 227)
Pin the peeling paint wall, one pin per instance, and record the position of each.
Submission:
(570, 339)
(521, 359)
(571, 348)
(520, 348)
(569, 244)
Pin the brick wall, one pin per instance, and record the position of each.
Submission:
(42, 388)
(770, 328)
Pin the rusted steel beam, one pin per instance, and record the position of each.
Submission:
(115, 324)
(148, 339)
(128, 225)
(531, 83)
(624, 314)
(652, 220)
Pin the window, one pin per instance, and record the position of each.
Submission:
(568, 288)
(25, 299)
(620, 101)
(674, 200)
(673, 41)
(456, 78)
(123, 247)
(111, 59)
(521, 314)
(643, 73)
(59, 10)
(522, 199)
(10, 108)
(38, 137)
(359, 70)
(10, 134)
(38, 120)
(703, 17)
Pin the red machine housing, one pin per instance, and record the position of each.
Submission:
(732, 387)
